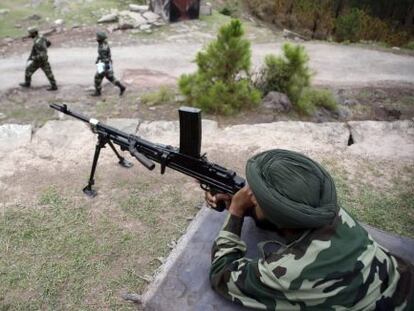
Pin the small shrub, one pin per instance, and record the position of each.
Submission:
(221, 83)
(288, 73)
(313, 98)
(163, 96)
(348, 26)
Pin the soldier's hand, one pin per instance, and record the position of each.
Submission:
(213, 200)
(243, 202)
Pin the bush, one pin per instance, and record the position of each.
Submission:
(348, 26)
(221, 83)
(287, 74)
(313, 98)
(163, 96)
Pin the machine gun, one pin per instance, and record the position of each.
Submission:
(187, 159)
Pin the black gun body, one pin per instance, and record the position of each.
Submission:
(212, 177)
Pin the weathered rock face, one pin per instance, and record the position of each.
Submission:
(13, 136)
(277, 102)
(385, 139)
(109, 18)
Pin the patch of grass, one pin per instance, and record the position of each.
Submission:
(59, 255)
(16, 112)
(390, 210)
(313, 98)
(409, 45)
(75, 12)
(164, 95)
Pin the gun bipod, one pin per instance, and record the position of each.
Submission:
(102, 141)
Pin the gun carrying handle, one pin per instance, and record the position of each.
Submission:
(142, 159)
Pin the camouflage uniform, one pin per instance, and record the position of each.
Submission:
(335, 267)
(38, 59)
(104, 56)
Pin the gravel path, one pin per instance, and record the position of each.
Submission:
(335, 65)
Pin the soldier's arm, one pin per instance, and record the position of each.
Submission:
(242, 280)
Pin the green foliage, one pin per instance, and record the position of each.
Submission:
(163, 96)
(409, 45)
(313, 98)
(348, 26)
(221, 83)
(288, 73)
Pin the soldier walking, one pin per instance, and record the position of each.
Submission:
(38, 59)
(104, 65)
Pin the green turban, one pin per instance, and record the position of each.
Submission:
(292, 190)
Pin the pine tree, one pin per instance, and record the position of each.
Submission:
(221, 83)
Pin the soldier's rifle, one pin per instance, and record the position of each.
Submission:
(186, 159)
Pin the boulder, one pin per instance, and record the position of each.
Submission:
(206, 10)
(145, 27)
(293, 35)
(138, 8)
(277, 102)
(109, 18)
(59, 22)
(4, 11)
(151, 16)
(135, 19)
(13, 136)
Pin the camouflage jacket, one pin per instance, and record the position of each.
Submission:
(104, 53)
(39, 49)
(336, 267)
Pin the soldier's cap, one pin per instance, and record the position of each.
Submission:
(101, 35)
(32, 30)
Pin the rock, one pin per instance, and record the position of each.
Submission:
(206, 10)
(322, 115)
(145, 27)
(4, 11)
(13, 136)
(34, 17)
(151, 16)
(125, 26)
(350, 102)
(17, 26)
(138, 8)
(2, 115)
(386, 114)
(396, 48)
(59, 22)
(135, 19)
(48, 32)
(277, 102)
(109, 18)
(74, 26)
(8, 40)
(383, 139)
(293, 35)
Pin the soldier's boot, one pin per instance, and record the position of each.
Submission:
(26, 83)
(52, 87)
(122, 88)
(96, 93)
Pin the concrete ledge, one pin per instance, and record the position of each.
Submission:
(183, 282)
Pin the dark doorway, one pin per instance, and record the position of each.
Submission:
(184, 9)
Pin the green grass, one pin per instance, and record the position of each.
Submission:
(84, 12)
(390, 209)
(164, 95)
(58, 255)
(313, 98)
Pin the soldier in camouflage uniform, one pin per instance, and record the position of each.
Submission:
(323, 260)
(106, 71)
(38, 59)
